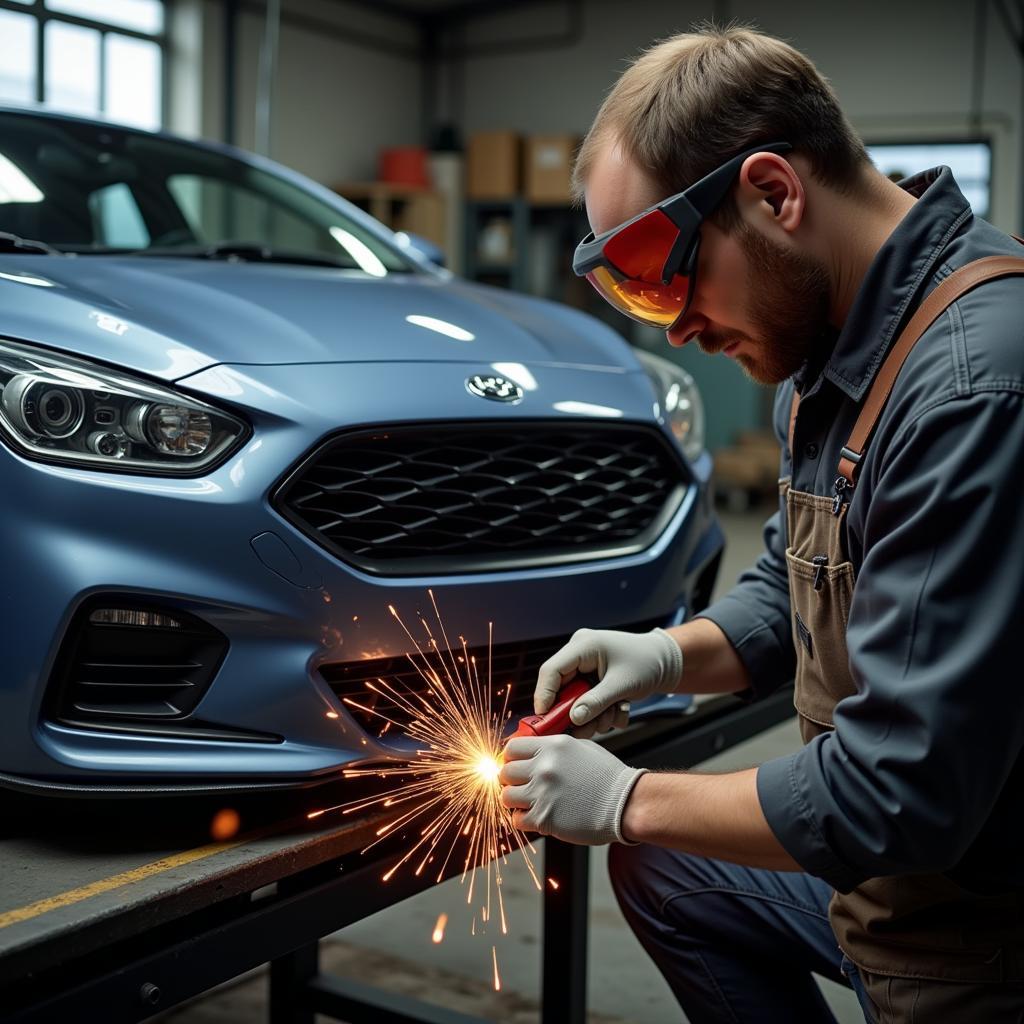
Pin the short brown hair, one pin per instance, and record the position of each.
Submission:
(691, 102)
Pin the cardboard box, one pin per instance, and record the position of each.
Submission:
(547, 168)
(493, 165)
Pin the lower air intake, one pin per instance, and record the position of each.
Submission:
(138, 668)
(513, 665)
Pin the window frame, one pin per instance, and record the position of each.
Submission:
(43, 15)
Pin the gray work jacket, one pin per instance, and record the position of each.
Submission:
(923, 771)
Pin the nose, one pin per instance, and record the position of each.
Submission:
(686, 329)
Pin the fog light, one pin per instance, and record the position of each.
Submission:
(133, 617)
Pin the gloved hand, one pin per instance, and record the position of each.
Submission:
(629, 666)
(565, 787)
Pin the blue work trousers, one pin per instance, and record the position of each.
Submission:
(737, 945)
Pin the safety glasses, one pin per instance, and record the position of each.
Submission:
(646, 267)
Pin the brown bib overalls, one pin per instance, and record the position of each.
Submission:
(928, 949)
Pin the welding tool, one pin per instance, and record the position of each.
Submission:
(557, 719)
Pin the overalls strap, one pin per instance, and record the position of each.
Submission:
(954, 287)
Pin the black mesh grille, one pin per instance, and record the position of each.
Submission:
(512, 664)
(473, 498)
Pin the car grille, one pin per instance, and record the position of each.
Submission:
(484, 497)
(513, 664)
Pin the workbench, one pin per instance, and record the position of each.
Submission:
(112, 911)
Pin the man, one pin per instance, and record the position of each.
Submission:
(889, 848)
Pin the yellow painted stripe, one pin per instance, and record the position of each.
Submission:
(66, 899)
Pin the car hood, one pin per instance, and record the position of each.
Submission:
(172, 317)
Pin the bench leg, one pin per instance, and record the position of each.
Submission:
(564, 982)
(289, 985)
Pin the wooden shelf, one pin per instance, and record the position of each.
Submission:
(419, 211)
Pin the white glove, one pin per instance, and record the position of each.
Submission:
(629, 666)
(571, 789)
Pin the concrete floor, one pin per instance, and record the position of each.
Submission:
(394, 949)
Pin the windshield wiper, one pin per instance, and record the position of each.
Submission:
(13, 243)
(246, 252)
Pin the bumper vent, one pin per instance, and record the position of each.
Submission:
(512, 664)
(138, 669)
(485, 497)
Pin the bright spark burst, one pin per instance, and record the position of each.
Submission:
(452, 792)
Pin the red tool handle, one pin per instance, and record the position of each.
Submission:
(557, 719)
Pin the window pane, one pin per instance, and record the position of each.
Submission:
(141, 15)
(72, 68)
(970, 162)
(17, 57)
(116, 220)
(131, 94)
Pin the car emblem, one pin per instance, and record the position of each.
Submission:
(497, 389)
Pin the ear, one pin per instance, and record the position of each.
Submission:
(770, 192)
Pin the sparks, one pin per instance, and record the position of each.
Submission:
(448, 797)
(552, 883)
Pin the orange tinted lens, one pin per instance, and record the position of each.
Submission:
(656, 304)
(640, 249)
(638, 253)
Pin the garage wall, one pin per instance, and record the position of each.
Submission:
(901, 70)
(348, 83)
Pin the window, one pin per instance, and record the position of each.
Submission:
(91, 57)
(93, 189)
(970, 162)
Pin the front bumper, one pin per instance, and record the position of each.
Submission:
(214, 548)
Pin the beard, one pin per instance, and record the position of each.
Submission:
(788, 308)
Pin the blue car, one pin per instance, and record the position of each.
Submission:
(239, 419)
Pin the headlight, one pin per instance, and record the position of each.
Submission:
(64, 409)
(678, 400)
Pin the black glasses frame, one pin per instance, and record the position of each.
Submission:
(687, 210)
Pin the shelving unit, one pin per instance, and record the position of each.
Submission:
(420, 211)
(509, 271)
(541, 240)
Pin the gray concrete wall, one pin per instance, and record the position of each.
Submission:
(902, 71)
(337, 101)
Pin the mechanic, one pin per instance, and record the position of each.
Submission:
(889, 849)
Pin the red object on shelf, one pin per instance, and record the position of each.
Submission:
(404, 165)
(557, 719)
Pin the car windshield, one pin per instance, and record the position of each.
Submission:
(94, 189)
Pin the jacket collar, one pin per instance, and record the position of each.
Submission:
(893, 284)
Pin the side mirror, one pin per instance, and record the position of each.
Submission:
(421, 246)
